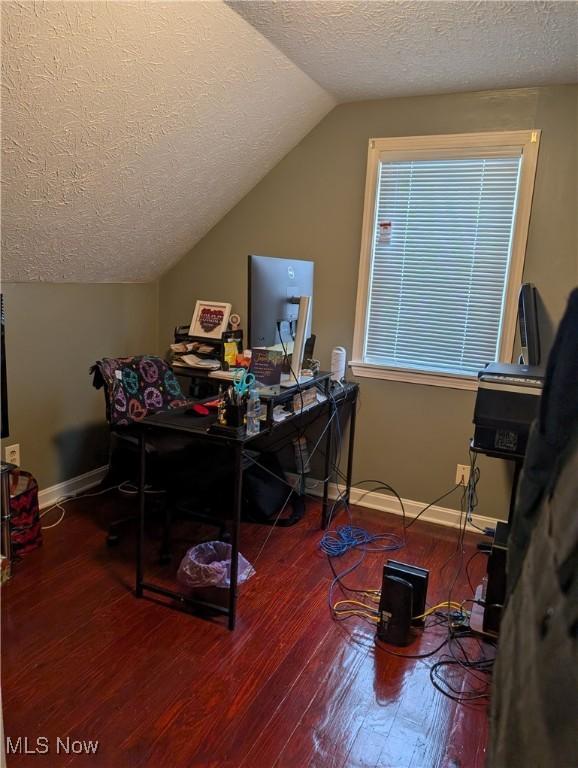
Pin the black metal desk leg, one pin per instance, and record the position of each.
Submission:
(141, 514)
(351, 446)
(237, 498)
(325, 503)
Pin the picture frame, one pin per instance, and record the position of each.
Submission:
(210, 319)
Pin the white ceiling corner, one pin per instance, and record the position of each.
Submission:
(130, 129)
(375, 49)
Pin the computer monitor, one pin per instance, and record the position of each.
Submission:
(279, 315)
(528, 325)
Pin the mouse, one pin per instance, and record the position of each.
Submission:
(197, 410)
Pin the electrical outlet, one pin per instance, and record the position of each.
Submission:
(12, 454)
(462, 474)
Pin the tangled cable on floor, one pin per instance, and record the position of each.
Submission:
(345, 537)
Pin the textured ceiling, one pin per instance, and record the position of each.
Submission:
(376, 49)
(129, 129)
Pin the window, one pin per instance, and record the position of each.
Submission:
(444, 235)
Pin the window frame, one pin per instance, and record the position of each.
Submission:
(497, 143)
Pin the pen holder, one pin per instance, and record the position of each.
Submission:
(235, 414)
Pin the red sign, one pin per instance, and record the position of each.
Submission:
(209, 319)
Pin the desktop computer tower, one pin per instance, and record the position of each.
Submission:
(496, 584)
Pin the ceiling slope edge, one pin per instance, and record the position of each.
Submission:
(130, 130)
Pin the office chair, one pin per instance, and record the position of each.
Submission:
(135, 387)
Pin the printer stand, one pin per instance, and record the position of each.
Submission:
(495, 588)
(518, 462)
(507, 403)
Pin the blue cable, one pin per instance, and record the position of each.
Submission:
(345, 537)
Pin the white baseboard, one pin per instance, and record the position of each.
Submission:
(76, 485)
(372, 500)
(387, 503)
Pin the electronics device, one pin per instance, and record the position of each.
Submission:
(418, 578)
(496, 584)
(338, 356)
(280, 306)
(5, 430)
(513, 373)
(395, 610)
(528, 325)
(507, 402)
(310, 346)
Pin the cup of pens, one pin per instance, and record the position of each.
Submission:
(235, 414)
(235, 398)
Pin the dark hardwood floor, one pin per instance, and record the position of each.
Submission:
(84, 659)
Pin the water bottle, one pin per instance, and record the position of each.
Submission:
(253, 412)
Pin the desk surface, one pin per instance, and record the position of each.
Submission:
(182, 421)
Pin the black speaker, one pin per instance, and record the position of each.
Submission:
(395, 610)
(418, 578)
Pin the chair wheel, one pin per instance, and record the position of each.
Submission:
(112, 539)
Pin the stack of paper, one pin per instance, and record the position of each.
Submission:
(207, 363)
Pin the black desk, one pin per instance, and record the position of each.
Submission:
(191, 426)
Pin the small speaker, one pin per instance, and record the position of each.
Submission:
(395, 610)
(338, 363)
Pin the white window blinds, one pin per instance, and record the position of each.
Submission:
(441, 248)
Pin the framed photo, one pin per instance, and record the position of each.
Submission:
(210, 319)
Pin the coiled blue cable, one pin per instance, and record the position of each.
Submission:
(345, 537)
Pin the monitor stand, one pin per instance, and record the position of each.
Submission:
(290, 379)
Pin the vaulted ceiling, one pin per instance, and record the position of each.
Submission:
(130, 128)
(376, 49)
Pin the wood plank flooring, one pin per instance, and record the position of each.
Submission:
(84, 659)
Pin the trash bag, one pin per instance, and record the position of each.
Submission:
(209, 565)
(25, 527)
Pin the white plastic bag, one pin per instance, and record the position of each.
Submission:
(209, 565)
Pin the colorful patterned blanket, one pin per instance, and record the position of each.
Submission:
(136, 387)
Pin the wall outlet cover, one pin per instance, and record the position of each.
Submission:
(12, 454)
(462, 474)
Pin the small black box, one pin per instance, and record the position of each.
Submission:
(418, 578)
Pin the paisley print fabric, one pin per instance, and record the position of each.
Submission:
(136, 387)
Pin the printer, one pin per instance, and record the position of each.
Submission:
(506, 404)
